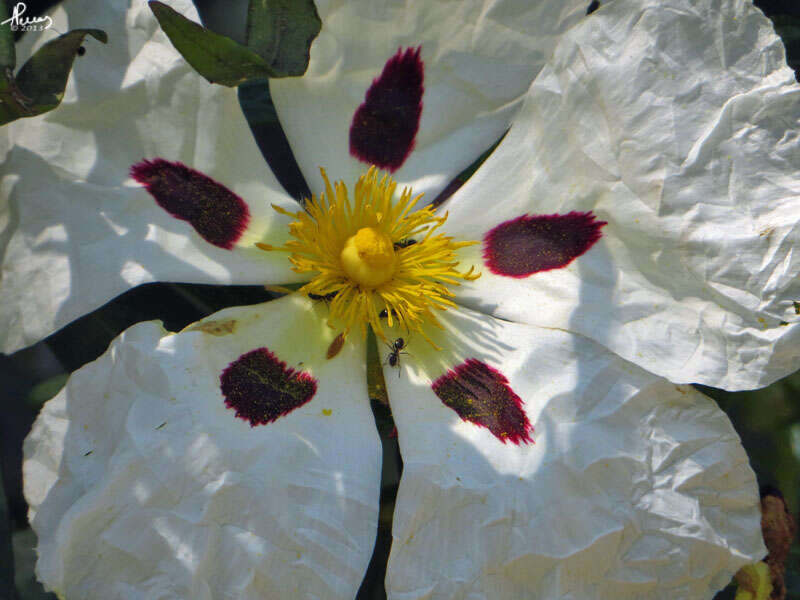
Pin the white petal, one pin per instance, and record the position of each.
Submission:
(479, 59)
(76, 229)
(143, 484)
(634, 487)
(678, 125)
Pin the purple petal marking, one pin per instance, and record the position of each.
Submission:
(481, 395)
(261, 388)
(215, 212)
(532, 243)
(385, 125)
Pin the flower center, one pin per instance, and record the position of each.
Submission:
(375, 260)
(368, 257)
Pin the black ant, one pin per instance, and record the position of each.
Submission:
(385, 313)
(324, 298)
(393, 358)
(404, 243)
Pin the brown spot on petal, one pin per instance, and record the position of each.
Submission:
(385, 125)
(482, 395)
(215, 212)
(533, 243)
(261, 388)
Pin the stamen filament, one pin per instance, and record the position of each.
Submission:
(413, 282)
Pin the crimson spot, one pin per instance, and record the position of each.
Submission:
(216, 213)
(532, 243)
(260, 387)
(481, 395)
(386, 123)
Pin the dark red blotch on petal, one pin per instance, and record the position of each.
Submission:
(533, 243)
(216, 213)
(385, 125)
(481, 395)
(261, 388)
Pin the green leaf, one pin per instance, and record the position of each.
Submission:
(754, 582)
(44, 390)
(39, 85)
(7, 589)
(28, 588)
(8, 58)
(281, 32)
(44, 76)
(216, 57)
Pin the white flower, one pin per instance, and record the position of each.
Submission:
(160, 472)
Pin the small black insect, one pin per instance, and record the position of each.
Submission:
(393, 358)
(404, 243)
(323, 297)
(384, 314)
(81, 51)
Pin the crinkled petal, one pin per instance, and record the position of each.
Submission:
(479, 57)
(144, 484)
(631, 487)
(679, 125)
(75, 228)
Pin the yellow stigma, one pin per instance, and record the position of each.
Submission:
(368, 257)
(376, 259)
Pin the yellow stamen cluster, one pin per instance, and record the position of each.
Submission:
(361, 252)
